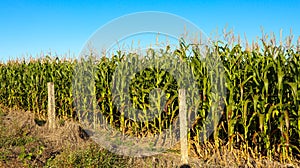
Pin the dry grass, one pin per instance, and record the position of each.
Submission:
(69, 146)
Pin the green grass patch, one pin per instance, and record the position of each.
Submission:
(92, 156)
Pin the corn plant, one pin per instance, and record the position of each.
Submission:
(262, 102)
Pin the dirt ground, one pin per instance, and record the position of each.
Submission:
(27, 142)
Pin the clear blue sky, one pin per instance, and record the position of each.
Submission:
(29, 27)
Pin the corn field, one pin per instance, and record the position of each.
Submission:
(262, 101)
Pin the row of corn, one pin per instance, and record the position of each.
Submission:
(261, 109)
